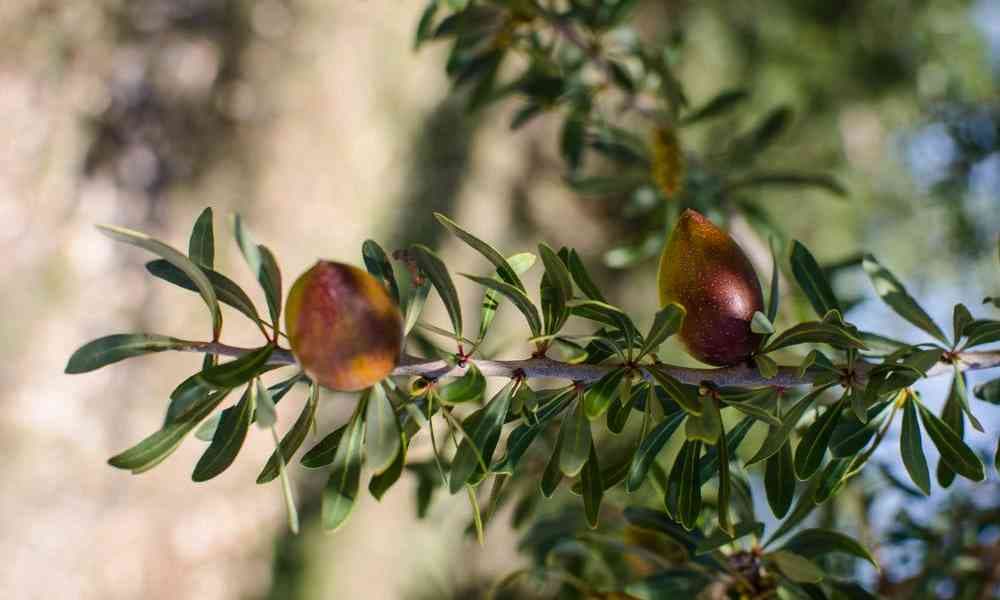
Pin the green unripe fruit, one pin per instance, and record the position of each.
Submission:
(344, 328)
(706, 272)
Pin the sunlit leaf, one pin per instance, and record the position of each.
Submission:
(341, 489)
(911, 449)
(812, 280)
(895, 295)
(201, 245)
(113, 348)
(228, 438)
(436, 271)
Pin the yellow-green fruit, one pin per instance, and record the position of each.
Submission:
(344, 328)
(705, 271)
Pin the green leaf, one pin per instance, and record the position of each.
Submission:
(775, 296)
(201, 246)
(154, 449)
(415, 304)
(803, 507)
(650, 448)
(593, 488)
(718, 105)
(988, 392)
(961, 317)
(812, 447)
(226, 290)
(382, 433)
(958, 456)
(619, 412)
(820, 542)
(185, 264)
(796, 567)
(960, 393)
(482, 430)
(292, 440)
(520, 263)
(751, 405)
(239, 371)
(325, 451)
(228, 438)
(835, 474)
(345, 476)
(518, 442)
(766, 365)
(777, 436)
(515, 295)
(895, 295)
(981, 331)
(576, 441)
(606, 314)
(113, 348)
(851, 435)
(706, 427)
(710, 461)
(571, 140)
(552, 474)
(432, 266)
(560, 282)
(602, 393)
(378, 265)
(381, 482)
(683, 499)
(582, 278)
(684, 395)
(470, 386)
(811, 279)
(761, 324)
(654, 520)
(951, 414)
(779, 480)
(666, 323)
(262, 265)
(725, 484)
(911, 449)
(504, 269)
(815, 332)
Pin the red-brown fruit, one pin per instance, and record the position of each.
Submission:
(344, 328)
(706, 272)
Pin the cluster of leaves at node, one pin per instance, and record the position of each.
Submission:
(550, 434)
(624, 111)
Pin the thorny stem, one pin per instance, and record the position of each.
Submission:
(541, 367)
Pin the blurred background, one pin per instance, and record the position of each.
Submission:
(319, 124)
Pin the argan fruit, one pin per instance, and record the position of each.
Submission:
(706, 272)
(344, 328)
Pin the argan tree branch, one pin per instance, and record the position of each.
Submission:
(535, 368)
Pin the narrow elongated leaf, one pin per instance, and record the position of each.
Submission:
(552, 474)
(988, 392)
(654, 520)
(381, 482)
(951, 414)
(226, 290)
(113, 348)
(582, 278)
(796, 567)
(228, 438)
(684, 395)
(803, 507)
(171, 255)
(506, 272)
(811, 449)
(960, 393)
(593, 488)
(650, 448)
(834, 475)
(601, 394)
(239, 371)
(518, 442)
(895, 295)
(777, 436)
(341, 489)
(912, 451)
(751, 406)
(576, 441)
(270, 281)
(811, 279)
(779, 481)
(709, 462)
(382, 433)
(292, 440)
(619, 412)
(201, 246)
(760, 323)
(959, 457)
(482, 430)
(851, 435)
(377, 263)
(775, 295)
(469, 386)
(515, 295)
(154, 449)
(683, 499)
(725, 485)
(766, 365)
(981, 332)
(708, 425)
(819, 542)
(960, 318)
(415, 305)
(432, 266)
(325, 451)
(666, 323)
(520, 263)
(606, 314)
(558, 277)
(267, 413)
(815, 332)
(718, 105)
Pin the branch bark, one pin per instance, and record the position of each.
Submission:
(535, 368)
